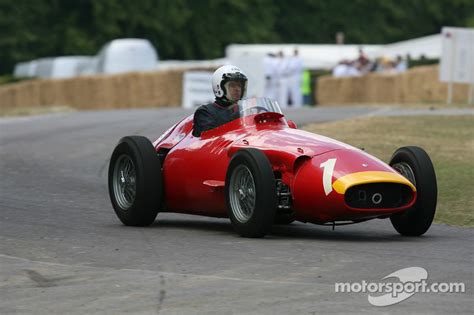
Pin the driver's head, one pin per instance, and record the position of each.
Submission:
(229, 84)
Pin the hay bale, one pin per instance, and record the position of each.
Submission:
(420, 84)
(27, 94)
(146, 90)
(7, 99)
(326, 88)
(131, 90)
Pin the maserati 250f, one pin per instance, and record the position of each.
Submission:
(259, 170)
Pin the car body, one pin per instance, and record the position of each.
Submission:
(316, 179)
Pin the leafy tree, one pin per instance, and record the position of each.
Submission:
(201, 29)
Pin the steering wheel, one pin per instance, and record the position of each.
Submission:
(257, 109)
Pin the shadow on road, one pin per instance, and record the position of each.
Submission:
(365, 233)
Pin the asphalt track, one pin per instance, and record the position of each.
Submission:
(63, 251)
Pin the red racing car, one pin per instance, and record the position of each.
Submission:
(259, 170)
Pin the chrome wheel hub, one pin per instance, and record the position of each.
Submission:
(124, 182)
(405, 170)
(242, 193)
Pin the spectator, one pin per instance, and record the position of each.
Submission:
(362, 65)
(362, 59)
(401, 65)
(341, 69)
(346, 68)
(271, 81)
(282, 75)
(352, 69)
(306, 87)
(295, 70)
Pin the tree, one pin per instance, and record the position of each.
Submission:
(201, 29)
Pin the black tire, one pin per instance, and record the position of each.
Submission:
(259, 199)
(140, 208)
(416, 220)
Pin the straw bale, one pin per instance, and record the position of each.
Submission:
(420, 84)
(130, 90)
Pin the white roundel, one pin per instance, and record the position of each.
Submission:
(225, 74)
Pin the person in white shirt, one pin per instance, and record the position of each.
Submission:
(346, 69)
(401, 64)
(295, 67)
(282, 75)
(271, 80)
(340, 70)
(352, 70)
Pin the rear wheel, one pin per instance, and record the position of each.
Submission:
(251, 193)
(415, 164)
(135, 181)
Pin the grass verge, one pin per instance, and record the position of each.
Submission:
(419, 105)
(449, 140)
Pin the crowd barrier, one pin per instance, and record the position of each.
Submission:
(138, 89)
(417, 85)
(164, 89)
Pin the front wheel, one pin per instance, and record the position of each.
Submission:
(251, 193)
(415, 164)
(135, 181)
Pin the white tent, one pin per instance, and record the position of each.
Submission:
(25, 69)
(314, 56)
(187, 64)
(428, 46)
(59, 67)
(128, 54)
(327, 56)
(88, 67)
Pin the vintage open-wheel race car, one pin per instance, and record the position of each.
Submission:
(260, 170)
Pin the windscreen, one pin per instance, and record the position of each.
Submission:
(257, 105)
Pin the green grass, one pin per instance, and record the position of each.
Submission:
(449, 140)
(432, 105)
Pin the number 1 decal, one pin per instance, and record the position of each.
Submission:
(328, 167)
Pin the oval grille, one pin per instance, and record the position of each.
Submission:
(378, 195)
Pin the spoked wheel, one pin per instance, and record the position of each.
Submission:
(415, 165)
(242, 194)
(251, 193)
(135, 181)
(124, 181)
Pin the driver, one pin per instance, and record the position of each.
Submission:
(229, 84)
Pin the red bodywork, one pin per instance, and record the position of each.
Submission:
(318, 170)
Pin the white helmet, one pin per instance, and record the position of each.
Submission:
(223, 75)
